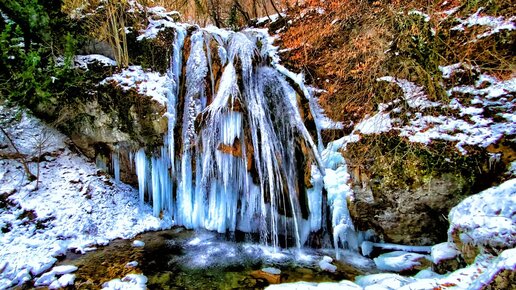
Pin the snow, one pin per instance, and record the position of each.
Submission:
(449, 70)
(63, 281)
(64, 269)
(152, 84)
(138, 244)
(71, 215)
(343, 285)
(82, 61)
(412, 94)
(132, 264)
(398, 261)
(472, 127)
(444, 251)
(385, 280)
(505, 261)
(425, 16)
(512, 168)
(368, 246)
(272, 18)
(159, 20)
(487, 218)
(473, 277)
(324, 122)
(271, 270)
(495, 24)
(378, 123)
(325, 264)
(129, 282)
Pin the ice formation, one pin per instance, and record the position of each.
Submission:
(236, 143)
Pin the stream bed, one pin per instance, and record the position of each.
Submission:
(188, 259)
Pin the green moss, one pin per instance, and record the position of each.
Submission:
(135, 114)
(394, 163)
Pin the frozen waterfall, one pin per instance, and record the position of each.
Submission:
(236, 149)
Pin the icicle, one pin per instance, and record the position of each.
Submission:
(131, 160)
(174, 74)
(140, 162)
(115, 159)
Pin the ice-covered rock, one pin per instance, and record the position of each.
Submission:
(487, 219)
(45, 279)
(129, 282)
(63, 281)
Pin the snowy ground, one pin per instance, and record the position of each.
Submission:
(75, 207)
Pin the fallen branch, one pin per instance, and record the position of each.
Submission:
(20, 157)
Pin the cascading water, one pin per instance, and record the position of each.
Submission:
(232, 158)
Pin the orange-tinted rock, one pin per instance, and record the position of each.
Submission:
(271, 278)
(235, 149)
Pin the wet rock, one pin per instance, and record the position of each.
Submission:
(269, 277)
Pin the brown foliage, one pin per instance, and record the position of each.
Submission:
(341, 50)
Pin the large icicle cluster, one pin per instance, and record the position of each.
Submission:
(241, 142)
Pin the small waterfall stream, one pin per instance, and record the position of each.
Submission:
(237, 149)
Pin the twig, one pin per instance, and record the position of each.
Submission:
(30, 176)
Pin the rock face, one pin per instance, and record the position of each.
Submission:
(113, 122)
(407, 216)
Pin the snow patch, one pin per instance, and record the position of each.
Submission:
(152, 84)
(398, 261)
(138, 244)
(129, 282)
(444, 251)
(495, 24)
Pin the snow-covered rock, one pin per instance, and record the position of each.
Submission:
(444, 251)
(129, 282)
(148, 83)
(399, 261)
(487, 218)
(63, 281)
(64, 269)
(385, 280)
(325, 264)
